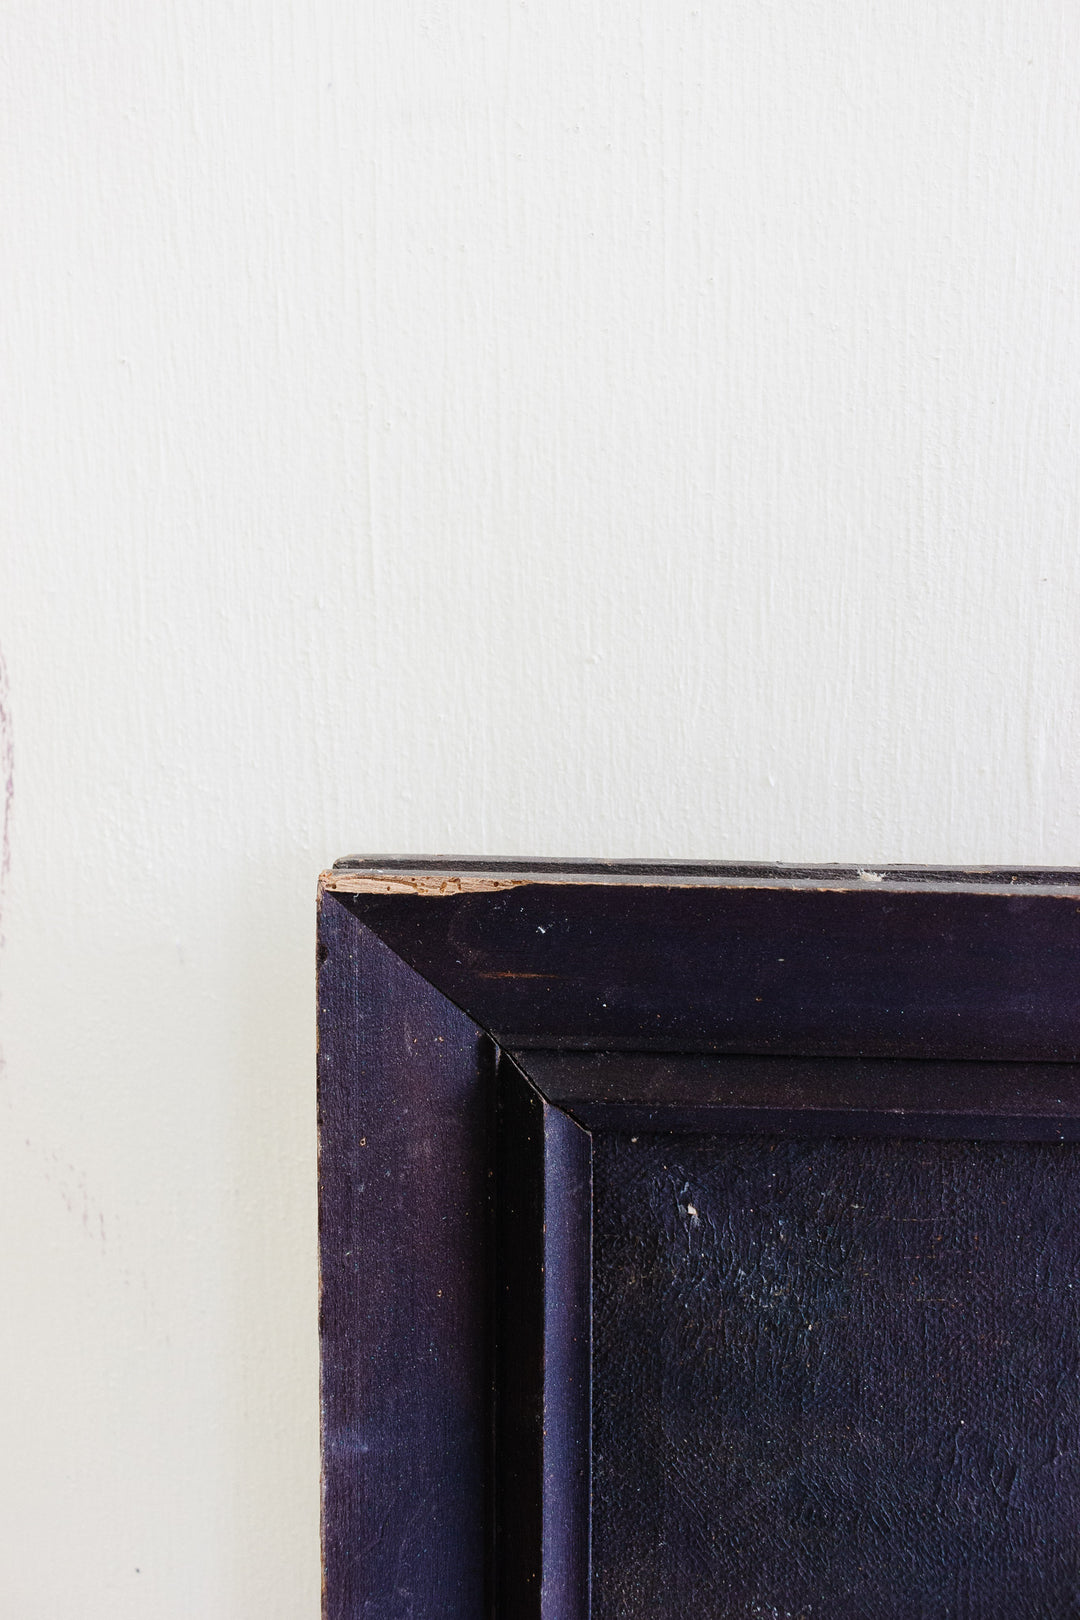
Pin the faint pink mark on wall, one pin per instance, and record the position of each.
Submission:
(7, 785)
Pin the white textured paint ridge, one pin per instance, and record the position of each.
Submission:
(607, 429)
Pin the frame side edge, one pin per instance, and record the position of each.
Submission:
(404, 1103)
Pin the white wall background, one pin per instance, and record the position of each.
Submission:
(495, 427)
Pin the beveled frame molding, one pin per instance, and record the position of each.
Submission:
(641, 995)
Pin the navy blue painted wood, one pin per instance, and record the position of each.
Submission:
(718, 1001)
(976, 972)
(543, 1377)
(405, 1236)
(633, 1091)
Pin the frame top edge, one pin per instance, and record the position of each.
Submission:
(444, 875)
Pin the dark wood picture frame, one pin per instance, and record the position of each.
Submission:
(484, 1024)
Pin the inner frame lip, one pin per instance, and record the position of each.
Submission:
(691, 1093)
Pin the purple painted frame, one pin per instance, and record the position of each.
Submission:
(952, 997)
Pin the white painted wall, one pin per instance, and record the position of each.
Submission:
(492, 427)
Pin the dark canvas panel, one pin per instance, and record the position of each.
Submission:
(836, 1378)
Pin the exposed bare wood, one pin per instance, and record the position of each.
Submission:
(414, 883)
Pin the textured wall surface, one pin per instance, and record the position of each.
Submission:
(501, 428)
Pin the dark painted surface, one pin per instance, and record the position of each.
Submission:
(405, 1221)
(925, 1445)
(870, 970)
(836, 1379)
(519, 1352)
(543, 1328)
(811, 1096)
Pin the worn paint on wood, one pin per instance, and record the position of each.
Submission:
(943, 968)
(832, 1372)
(405, 1229)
